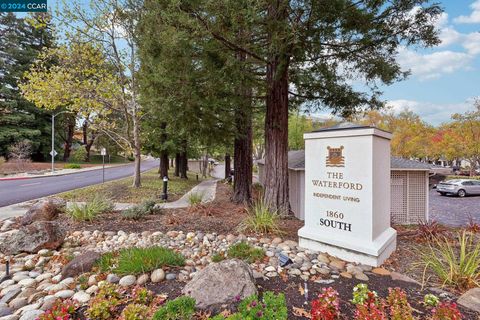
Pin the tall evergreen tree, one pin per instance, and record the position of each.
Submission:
(21, 40)
(308, 51)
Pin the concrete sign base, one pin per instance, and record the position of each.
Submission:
(347, 194)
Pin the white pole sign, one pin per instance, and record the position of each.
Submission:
(347, 194)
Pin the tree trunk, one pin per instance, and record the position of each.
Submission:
(67, 146)
(276, 122)
(177, 165)
(163, 164)
(163, 152)
(243, 163)
(137, 151)
(228, 166)
(86, 142)
(184, 160)
(243, 149)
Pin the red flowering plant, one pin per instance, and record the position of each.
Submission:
(372, 308)
(446, 311)
(327, 306)
(61, 310)
(399, 308)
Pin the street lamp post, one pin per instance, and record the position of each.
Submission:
(53, 153)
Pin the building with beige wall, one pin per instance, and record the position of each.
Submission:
(409, 183)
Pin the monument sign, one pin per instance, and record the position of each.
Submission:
(347, 194)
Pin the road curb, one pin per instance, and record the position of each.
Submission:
(61, 174)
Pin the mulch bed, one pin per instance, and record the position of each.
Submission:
(294, 298)
(220, 216)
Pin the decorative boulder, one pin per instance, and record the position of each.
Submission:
(80, 264)
(221, 284)
(470, 299)
(32, 238)
(45, 210)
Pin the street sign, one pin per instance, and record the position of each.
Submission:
(53, 153)
(103, 152)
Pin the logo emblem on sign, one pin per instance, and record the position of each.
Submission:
(335, 157)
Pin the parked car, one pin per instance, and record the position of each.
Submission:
(459, 187)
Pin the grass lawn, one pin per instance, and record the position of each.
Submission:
(123, 192)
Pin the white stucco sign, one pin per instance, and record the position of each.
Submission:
(347, 194)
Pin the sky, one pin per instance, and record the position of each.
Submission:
(444, 79)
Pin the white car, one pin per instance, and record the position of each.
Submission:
(459, 187)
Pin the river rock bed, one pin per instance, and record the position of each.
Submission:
(36, 279)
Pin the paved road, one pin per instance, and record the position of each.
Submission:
(454, 211)
(15, 191)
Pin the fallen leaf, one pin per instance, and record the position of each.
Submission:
(300, 312)
(301, 290)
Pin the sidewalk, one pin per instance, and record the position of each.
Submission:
(206, 188)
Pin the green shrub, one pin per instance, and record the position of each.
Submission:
(217, 257)
(106, 262)
(91, 209)
(431, 300)
(182, 308)
(100, 309)
(72, 166)
(455, 265)
(270, 307)
(261, 219)
(244, 251)
(79, 155)
(143, 260)
(104, 304)
(135, 311)
(195, 198)
(139, 211)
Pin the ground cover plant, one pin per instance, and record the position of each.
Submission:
(195, 198)
(182, 308)
(91, 209)
(244, 251)
(139, 211)
(139, 260)
(72, 166)
(122, 191)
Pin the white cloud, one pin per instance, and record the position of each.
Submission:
(433, 113)
(474, 17)
(433, 65)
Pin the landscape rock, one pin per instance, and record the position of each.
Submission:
(45, 210)
(31, 315)
(17, 303)
(32, 238)
(127, 281)
(470, 299)
(401, 277)
(143, 279)
(64, 294)
(221, 283)
(11, 294)
(80, 264)
(157, 275)
(5, 310)
(81, 296)
(113, 278)
(381, 271)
